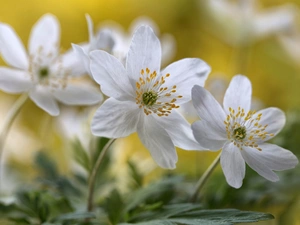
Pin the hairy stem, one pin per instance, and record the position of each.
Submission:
(92, 178)
(204, 178)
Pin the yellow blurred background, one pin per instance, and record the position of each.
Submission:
(274, 72)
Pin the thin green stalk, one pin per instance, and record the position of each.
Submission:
(92, 178)
(12, 114)
(204, 178)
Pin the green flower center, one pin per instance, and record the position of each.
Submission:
(149, 98)
(239, 133)
(43, 72)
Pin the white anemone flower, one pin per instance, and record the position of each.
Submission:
(103, 40)
(241, 21)
(42, 72)
(240, 132)
(144, 100)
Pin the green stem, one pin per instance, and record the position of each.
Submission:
(12, 114)
(92, 178)
(204, 178)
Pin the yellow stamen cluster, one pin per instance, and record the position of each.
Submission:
(152, 96)
(244, 129)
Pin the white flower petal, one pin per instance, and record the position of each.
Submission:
(72, 62)
(275, 157)
(181, 135)
(185, 74)
(104, 40)
(233, 165)
(83, 57)
(143, 20)
(144, 52)
(158, 142)
(238, 94)
(78, 94)
(43, 99)
(14, 81)
(274, 118)
(111, 75)
(210, 111)
(115, 119)
(258, 163)
(45, 36)
(12, 48)
(206, 136)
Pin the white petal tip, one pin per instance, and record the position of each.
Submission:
(235, 185)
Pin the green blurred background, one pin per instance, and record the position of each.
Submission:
(274, 72)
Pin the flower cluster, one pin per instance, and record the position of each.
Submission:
(144, 98)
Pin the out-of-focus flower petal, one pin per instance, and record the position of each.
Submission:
(45, 37)
(14, 81)
(12, 48)
(78, 94)
(43, 99)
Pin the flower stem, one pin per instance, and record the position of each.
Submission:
(92, 178)
(204, 178)
(12, 114)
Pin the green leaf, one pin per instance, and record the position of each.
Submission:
(210, 217)
(46, 165)
(152, 222)
(75, 216)
(167, 211)
(114, 206)
(101, 142)
(136, 176)
(5, 210)
(161, 191)
(80, 155)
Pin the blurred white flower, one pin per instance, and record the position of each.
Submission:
(103, 40)
(74, 124)
(241, 21)
(43, 73)
(291, 43)
(123, 38)
(145, 100)
(240, 132)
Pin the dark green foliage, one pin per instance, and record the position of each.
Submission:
(81, 156)
(114, 207)
(135, 175)
(61, 200)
